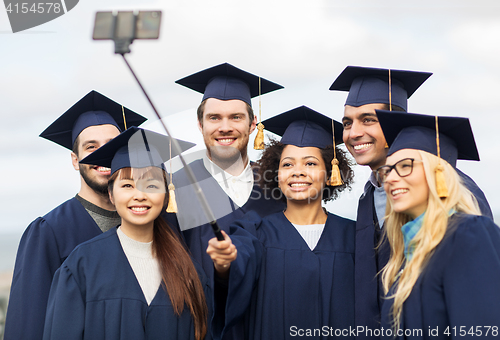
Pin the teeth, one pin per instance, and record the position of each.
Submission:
(362, 146)
(103, 169)
(293, 185)
(227, 140)
(139, 208)
(398, 191)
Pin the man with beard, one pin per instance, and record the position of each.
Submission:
(87, 125)
(224, 173)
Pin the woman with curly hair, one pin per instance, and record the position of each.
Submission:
(292, 273)
(443, 273)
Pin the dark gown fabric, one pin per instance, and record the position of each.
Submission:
(368, 288)
(282, 287)
(95, 295)
(43, 248)
(457, 292)
(192, 220)
(225, 210)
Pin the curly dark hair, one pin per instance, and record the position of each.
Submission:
(270, 160)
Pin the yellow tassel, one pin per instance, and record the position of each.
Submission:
(335, 179)
(258, 144)
(442, 189)
(172, 204)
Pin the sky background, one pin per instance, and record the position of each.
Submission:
(302, 45)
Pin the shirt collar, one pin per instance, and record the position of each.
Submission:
(372, 182)
(222, 176)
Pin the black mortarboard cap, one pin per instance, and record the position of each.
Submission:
(93, 109)
(304, 127)
(368, 85)
(135, 148)
(418, 131)
(227, 82)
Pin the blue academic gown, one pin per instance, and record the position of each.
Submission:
(102, 300)
(201, 232)
(282, 287)
(225, 211)
(458, 287)
(368, 287)
(43, 248)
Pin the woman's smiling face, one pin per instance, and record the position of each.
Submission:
(408, 195)
(139, 197)
(302, 173)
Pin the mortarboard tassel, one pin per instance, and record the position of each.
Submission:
(258, 143)
(124, 120)
(442, 189)
(172, 204)
(390, 101)
(335, 178)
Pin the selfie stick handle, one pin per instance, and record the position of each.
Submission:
(199, 193)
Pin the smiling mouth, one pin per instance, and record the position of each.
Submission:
(362, 147)
(396, 192)
(103, 170)
(298, 186)
(225, 141)
(139, 210)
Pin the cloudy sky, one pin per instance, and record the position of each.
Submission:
(302, 45)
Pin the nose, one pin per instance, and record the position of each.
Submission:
(298, 171)
(356, 130)
(392, 176)
(139, 195)
(225, 126)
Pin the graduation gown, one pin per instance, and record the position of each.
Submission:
(95, 295)
(458, 287)
(225, 210)
(368, 287)
(283, 288)
(43, 248)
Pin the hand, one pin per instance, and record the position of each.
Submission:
(222, 254)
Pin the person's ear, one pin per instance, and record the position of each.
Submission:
(74, 161)
(111, 198)
(253, 125)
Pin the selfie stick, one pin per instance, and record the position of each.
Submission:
(121, 49)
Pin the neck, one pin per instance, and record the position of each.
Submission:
(231, 166)
(101, 200)
(304, 213)
(142, 233)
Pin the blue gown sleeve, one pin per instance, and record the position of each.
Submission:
(65, 317)
(37, 260)
(244, 273)
(471, 278)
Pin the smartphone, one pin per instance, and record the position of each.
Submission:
(127, 25)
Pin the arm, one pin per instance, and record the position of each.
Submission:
(36, 262)
(66, 308)
(472, 276)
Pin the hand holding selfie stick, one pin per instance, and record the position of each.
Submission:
(123, 28)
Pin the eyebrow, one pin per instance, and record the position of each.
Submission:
(306, 157)
(89, 142)
(361, 116)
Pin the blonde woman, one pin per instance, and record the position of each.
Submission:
(442, 278)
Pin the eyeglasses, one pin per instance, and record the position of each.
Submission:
(403, 168)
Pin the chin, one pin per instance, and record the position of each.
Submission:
(225, 153)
